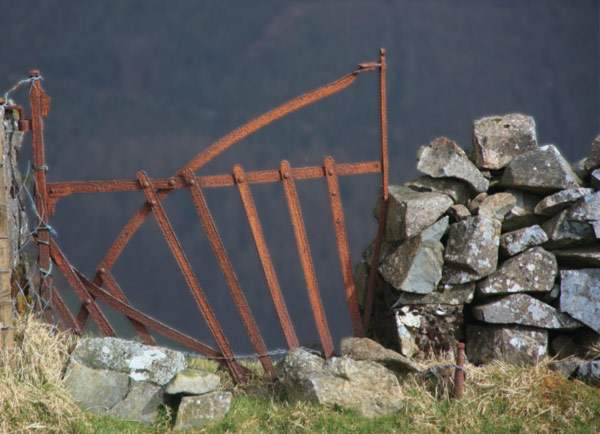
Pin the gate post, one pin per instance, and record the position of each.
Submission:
(6, 301)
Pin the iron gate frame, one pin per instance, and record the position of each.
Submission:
(155, 190)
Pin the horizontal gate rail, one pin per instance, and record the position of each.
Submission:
(155, 190)
(57, 190)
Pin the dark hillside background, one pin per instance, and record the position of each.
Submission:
(149, 84)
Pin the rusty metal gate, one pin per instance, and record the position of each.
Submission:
(88, 290)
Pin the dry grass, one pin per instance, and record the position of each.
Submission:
(498, 398)
(32, 398)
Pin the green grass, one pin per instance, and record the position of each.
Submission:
(498, 398)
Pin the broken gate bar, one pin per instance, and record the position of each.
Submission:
(155, 190)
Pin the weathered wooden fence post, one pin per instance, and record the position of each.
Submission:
(6, 302)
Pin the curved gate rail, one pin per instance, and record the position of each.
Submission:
(155, 190)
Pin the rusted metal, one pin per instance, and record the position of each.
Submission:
(232, 282)
(64, 312)
(221, 145)
(459, 373)
(374, 265)
(306, 259)
(265, 258)
(187, 271)
(161, 328)
(155, 190)
(342, 245)
(116, 291)
(383, 125)
(385, 192)
(40, 104)
(81, 291)
(57, 190)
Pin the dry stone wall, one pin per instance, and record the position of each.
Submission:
(498, 246)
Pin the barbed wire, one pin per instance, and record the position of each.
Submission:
(16, 86)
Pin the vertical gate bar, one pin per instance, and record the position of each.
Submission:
(190, 278)
(339, 224)
(305, 258)
(385, 188)
(64, 312)
(383, 123)
(40, 104)
(374, 265)
(116, 291)
(81, 291)
(265, 257)
(228, 273)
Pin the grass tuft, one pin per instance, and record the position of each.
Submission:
(32, 397)
(498, 398)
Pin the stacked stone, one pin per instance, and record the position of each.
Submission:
(499, 246)
(129, 380)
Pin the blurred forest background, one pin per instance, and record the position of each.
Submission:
(149, 84)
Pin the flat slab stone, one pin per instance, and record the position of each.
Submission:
(193, 382)
(578, 224)
(511, 344)
(595, 179)
(429, 329)
(416, 265)
(523, 213)
(454, 295)
(141, 403)
(531, 271)
(589, 372)
(515, 242)
(140, 362)
(593, 159)
(525, 310)
(566, 367)
(196, 411)
(409, 211)
(444, 159)
(367, 349)
(579, 257)
(580, 295)
(496, 206)
(458, 212)
(95, 390)
(498, 139)
(473, 245)
(543, 170)
(364, 386)
(555, 203)
(458, 190)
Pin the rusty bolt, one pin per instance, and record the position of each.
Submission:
(286, 175)
(333, 192)
(338, 220)
(102, 270)
(34, 73)
(145, 185)
(192, 181)
(330, 171)
(240, 179)
(51, 190)
(152, 202)
(171, 182)
(88, 302)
